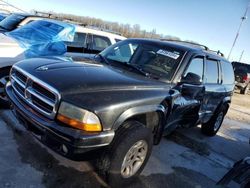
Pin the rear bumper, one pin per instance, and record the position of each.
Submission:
(67, 141)
(240, 85)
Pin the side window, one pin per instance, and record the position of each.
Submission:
(79, 40)
(196, 66)
(100, 42)
(78, 44)
(227, 73)
(212, 73)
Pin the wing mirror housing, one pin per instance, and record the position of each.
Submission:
(191, 78)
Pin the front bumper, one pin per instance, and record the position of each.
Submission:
(67, 141)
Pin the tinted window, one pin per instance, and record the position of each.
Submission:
(100, 42)
(212, 72)
(79, 40)
(227, 73)
(196, 67)
(158, 61)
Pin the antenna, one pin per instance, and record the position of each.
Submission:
(243, 18)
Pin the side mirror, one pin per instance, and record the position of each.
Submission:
(191, 78)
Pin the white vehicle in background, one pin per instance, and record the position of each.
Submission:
(92, 40)
(83, 41)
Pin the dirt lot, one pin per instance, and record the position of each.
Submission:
(185, 159)
(240, 108)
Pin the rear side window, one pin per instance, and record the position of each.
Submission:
(100, 42)
(196, 67)
(227, 73)
(79, 40)
(212, 73)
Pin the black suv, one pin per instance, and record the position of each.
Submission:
(121, 102)
(242, 76)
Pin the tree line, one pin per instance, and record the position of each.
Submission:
(127, 30)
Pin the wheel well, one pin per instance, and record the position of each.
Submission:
(150, 119)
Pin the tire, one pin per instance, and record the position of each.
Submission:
(244, 90)
(213, 125)
(113, 166)
(4, 77)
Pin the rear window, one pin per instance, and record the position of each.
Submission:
(227, 73)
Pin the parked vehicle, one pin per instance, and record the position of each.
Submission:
(120, 103)
(39, 38)
(16, 20)
(242, 76)
(92, 40)
(86, 40)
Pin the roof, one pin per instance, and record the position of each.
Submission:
(185, 47)
(98, 32)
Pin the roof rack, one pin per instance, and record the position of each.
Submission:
(217, 52)
(44, 14)
(101, 29)
(196, 44)
(187, 42)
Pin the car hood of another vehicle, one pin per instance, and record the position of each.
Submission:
(10, 51)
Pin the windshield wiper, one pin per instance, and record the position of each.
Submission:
(136, 68)
(103, 58)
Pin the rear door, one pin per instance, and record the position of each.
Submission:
(214, 90)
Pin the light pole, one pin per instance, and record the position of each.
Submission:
(241, 55)
(238, 32)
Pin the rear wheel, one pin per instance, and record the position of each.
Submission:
(128, 154)
(213, 125)
(4, 78)
(244, 91)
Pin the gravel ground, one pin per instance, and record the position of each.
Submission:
(184, 159)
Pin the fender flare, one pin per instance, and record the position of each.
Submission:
(140, 110)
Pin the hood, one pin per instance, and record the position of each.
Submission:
(72, 76)
(10, 51)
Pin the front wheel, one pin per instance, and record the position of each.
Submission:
(213, 125)
(4, 78)
(128, 154)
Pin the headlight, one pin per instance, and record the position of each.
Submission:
(78, 118)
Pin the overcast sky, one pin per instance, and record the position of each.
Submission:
(210, 22)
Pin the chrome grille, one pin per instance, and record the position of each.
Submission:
(39, 95)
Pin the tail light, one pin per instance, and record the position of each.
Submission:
(245, 78)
